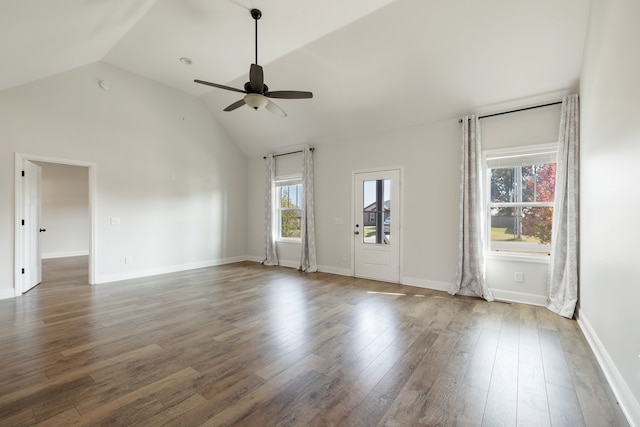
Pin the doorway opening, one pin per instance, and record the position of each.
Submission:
(28, 226)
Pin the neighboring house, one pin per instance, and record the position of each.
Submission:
(369, 213)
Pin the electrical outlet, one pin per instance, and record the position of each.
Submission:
(518, 276)
(115, 220)
(128, 260)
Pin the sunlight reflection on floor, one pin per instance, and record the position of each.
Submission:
(395, 293)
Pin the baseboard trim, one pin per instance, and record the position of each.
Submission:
(335, 270)
(288, 263)
(6, 293)
(109, 278)
(426, 284)
(49, 255)
(519, 297)
(628, 403)
(281, 262)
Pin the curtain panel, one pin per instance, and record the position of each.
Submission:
(562, 289)
(271, 256)
(308, 262)
(470, 274)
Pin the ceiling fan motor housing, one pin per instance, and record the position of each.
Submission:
(249, 89)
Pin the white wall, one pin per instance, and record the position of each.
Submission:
(65, 210)
(164, 167)
(531, 127)
(610, 196)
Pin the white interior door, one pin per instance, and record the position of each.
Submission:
(31, 257)
(376, 225)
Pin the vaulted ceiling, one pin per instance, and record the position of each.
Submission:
(373, 65)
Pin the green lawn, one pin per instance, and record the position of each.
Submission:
(369, 231)
(503, 234)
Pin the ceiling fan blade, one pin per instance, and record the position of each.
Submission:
(202, 82)
(289, 94)
(235, 105)
(256, 78)
(275, 109)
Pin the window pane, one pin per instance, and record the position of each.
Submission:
(523, 229)
(503, 185)
(538, 182)
(290, 223)
(386, 215)
(369, 194)
(290, 211)
(376, 211)
(291, 196)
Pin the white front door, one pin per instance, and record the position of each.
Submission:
(377, 225)
(32, 259)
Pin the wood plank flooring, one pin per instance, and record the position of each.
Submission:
(249, 345)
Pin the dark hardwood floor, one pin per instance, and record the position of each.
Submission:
(248, 345)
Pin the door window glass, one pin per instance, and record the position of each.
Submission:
(376, 212)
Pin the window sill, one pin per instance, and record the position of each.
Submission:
(281, 240)
(532, 259)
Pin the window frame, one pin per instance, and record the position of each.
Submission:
(279, 182)
(511, 152)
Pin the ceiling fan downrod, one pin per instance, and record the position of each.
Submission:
(256, 14)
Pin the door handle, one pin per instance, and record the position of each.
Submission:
(42, 230)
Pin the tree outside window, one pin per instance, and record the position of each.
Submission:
(289, 209)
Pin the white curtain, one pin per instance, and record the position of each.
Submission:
(271, 257)
(308, 262)
(470, 274)
(562, 288)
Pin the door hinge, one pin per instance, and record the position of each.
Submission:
(23, 271)
(22, 173)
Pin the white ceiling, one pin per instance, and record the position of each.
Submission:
(373, 65)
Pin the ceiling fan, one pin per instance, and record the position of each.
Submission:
(257, 93)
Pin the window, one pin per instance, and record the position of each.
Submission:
(289, 208)
(521, 188)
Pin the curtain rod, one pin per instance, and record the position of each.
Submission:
(292, 152)
(517, 110)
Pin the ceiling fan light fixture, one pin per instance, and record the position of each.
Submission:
(256, 101)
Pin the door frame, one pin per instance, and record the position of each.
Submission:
(19, 209)
(400, 170)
